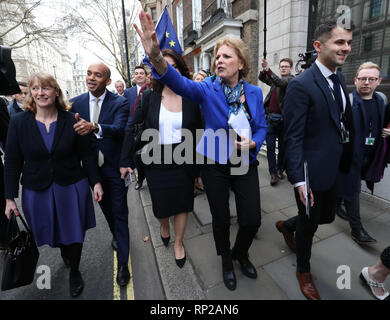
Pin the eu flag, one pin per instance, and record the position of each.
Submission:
(166, 35)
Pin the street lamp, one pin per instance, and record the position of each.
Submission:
(126, 46)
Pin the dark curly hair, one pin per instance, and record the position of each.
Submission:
(157, 85)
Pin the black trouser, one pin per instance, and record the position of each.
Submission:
(218, 181)
(3, 218)
(140, 168)
(353, 211)
(385, 257)
(73, 253)
(322, 212)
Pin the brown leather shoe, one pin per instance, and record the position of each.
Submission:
(280, 174)
(307, 285)
(274, 179)
(288, 236)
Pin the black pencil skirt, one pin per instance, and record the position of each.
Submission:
(171, 189)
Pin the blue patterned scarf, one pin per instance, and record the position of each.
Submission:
(233, 97)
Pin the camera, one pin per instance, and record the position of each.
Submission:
(306, 60)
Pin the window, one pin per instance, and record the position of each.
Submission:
(368, 43)
(153, 12)
(197, 14)
(179, 22)
(375, 9)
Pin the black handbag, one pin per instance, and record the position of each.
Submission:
(275, 119)
(21, 258)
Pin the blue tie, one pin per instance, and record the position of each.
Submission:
(337, 91)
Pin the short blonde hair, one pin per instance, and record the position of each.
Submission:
(45, 79)
(239, 47)
(369, 65)
(203, 74)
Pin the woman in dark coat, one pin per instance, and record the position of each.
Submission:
(56, 199)
(171, 185)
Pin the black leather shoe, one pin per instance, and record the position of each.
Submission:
(341, 213)
(123, 275)
(229, 279)
(138, 185)
(247, 267)
(274, 179)
(76, 283)
(362, 237)
(114, 244)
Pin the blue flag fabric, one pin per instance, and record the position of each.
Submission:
(166, 35)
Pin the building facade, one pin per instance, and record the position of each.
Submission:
(79, 73)
(43, 55)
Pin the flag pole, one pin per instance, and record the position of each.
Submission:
(265, 30)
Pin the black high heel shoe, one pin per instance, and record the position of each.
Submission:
(76, 284)
(180, 262)
(165, 240)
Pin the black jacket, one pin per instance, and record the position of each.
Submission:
(148, 109)
(26, 153)
(273, 81)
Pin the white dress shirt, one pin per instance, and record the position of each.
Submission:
(92, 99)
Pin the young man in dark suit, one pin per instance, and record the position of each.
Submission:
(16, 105)
(103, 115)
(368, 110)
(318, 130)
(140, 78)
(274, 105)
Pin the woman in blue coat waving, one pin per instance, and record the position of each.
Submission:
(224, 98)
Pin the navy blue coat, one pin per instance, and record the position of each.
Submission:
(27, 154)
(350, 183)
(313, 130)
(112, 119)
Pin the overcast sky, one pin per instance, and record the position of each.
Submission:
(49, 11)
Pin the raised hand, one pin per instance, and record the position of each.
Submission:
(82, 127)
(148, 35)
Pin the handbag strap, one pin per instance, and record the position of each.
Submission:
(13, 227)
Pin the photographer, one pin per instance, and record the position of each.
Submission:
(273, 105)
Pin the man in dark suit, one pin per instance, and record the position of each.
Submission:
(4, 120)
(274, 105)
(140, 77)
(16, 105)
(368, 110)
(318, 130)
(103, 115)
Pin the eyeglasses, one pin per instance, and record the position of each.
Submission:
(370, 80)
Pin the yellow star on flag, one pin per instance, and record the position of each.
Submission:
(167, 34)
(172, 43)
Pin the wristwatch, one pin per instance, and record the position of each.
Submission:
(95, 127)
(158, 58)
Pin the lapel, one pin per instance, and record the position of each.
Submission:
(359, 105)
(154, 110)
(105, 109)
(381, 111)
(322, 83)
(250, 96)
(84, 107)
(59, 128)
(34, 133)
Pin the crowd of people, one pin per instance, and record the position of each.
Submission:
(63, 150)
